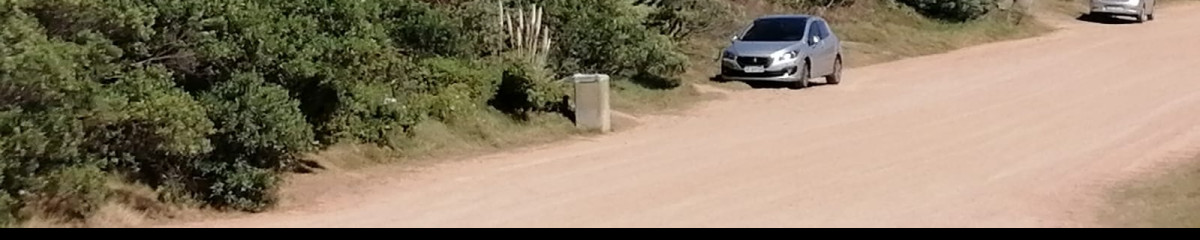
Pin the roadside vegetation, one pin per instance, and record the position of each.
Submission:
(114, 108)
(1163, 198)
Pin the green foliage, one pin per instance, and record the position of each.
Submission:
(952, 10)
(8, 208)
(259, 132)
(611, 37)
(238, 185)
(681, 19)
(74, 191)
(525, 88)
(372, 112)
(148, 128)
(456, 87)
(256, 122)
(214, 100)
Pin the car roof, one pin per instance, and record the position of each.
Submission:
(787, 16)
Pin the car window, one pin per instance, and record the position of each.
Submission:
(825, 33)
(776, 30)
(814, 29)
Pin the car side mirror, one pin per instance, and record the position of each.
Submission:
(735, 38)
(814, 40)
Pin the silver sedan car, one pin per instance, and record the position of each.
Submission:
(1143, 10)
(784, 48)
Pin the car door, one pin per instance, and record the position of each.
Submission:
(819, 49)
(830, 46)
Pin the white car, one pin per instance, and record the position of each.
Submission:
(784, 48)
(1143, 10)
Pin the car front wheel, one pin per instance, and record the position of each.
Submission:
(1142, 17)
(836, 76)
(802, 77)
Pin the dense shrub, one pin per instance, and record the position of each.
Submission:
(259, 132)
(148, 128)
(611, 37)
(7, 209)
(455, 87)
(525, 88)
(256, 123)
(681, 19)
(74, 191)
(213, 100)
(951, 10)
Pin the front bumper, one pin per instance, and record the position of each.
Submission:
(778, 71)
(1117, 8)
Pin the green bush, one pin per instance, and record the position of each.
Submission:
(455, 87)
(429, 30)
(259, 132)
(8, 209)
(238, 185)
(478, 29)
(681, 19)
(257, 122)
(525, 88)
(610, 37)
(148, 128)
(74, 191)
(952, 10)
(373, 112)
(213, 100)
(47, 101)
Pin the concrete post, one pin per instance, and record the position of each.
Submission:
(1025, 6)
(591, 102)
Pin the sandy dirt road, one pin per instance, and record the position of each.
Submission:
(1025, 133)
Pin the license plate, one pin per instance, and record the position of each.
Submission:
(755, 69)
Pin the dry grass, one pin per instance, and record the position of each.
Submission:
(482, 132)
(115, 215)
(1168, 199)
(882, 31)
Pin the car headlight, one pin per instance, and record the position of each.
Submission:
(789, 56)
(728, 55)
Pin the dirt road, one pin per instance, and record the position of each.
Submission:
(1017, 134)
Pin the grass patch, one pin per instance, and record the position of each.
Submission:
(631, 98)
(480, 132)
(882, 31)
(1168, 199)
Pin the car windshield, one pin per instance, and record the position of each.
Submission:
(776, 30)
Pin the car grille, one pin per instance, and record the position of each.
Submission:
(753, 61)
(769, 74)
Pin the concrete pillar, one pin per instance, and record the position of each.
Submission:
(1015, 5)
(591, 102)
(1025, 6)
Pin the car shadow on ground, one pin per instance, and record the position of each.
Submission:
(1106, 19)
(816, 82)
